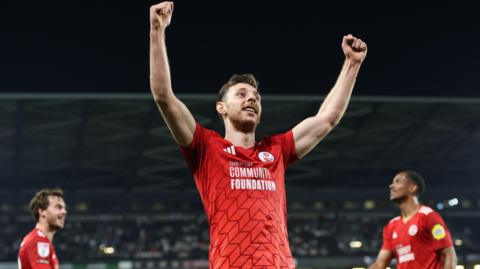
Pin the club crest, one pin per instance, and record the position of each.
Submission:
(266, 156)
(43, 249)
(413, 230)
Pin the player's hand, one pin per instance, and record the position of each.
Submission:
(354, 48)
(161, 15)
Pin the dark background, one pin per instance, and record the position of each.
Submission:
(115, 157)
(427, 49)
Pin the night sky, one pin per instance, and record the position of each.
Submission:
(292, 47)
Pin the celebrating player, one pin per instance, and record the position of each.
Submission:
(241, 180)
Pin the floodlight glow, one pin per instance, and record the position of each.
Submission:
(109, 250)
(453, 202)
(356, 244)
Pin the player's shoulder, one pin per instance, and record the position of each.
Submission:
(274, 138)
(203, 128)
(209, 132)
(425, 210)
(394, 220)
(428, 213)
(34, 237)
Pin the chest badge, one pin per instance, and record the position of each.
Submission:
(43, 249)
(266, 156)
(394, 236)
(413, 230)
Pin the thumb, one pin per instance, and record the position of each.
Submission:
(348, 37)
(348, 40)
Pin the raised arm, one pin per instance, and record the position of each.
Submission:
(383, 260)
(449, 258)
(312, 130)
(176, 115)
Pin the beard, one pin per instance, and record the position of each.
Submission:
(244, 125)
(53, 226)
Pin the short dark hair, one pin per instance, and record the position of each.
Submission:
(417, 179)
(40, 200)
(237, 78)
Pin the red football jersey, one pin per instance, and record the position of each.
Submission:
(417, 243)
(243, 193)
(37, 252)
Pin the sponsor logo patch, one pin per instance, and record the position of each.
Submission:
(43, 249)
(438, 232)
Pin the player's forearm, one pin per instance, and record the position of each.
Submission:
(449, 264)
(450, 259)
(176, 115)
(160, 81)
(336, 102)
(378, 265)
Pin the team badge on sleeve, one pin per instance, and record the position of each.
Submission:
(43, 249)
(438, 232)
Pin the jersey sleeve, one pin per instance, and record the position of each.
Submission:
(23, 260)
(387, 239)
(194, 152)
(287, 144)
(35, 255)
(438, 231)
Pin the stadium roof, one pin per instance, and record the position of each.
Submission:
(82, 141)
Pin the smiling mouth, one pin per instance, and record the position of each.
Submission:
(250, 109)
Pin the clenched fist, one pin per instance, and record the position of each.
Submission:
(161, 15)
(354, 48)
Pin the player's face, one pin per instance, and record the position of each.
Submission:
(243, 104)
(400, 188)
(55, 213)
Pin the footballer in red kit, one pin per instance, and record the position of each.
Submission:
(36, 250)
(241, 181)
(414, 243)
(243, 191)
(418, 238)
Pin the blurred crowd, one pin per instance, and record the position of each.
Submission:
(181, 232)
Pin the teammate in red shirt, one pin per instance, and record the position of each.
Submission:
(36, 250)
(241, 180)
(418, 238)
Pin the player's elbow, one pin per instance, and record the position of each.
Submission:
(322, 129)
(331, 117)
(160, 95)
(158, 98)
(333, 122)
(335, 117)
(329, 121)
